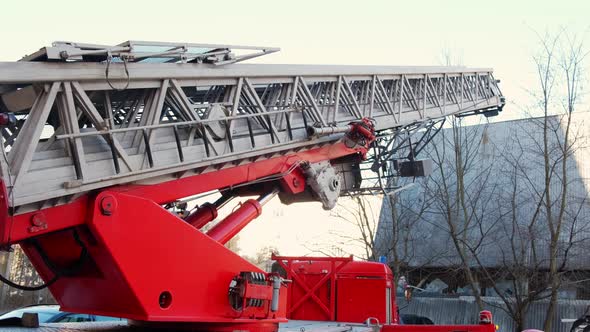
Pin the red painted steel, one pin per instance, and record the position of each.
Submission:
(226, 229)
(340, 289)
(207, 327)
(118, 252)
(138, 251)
(204, 214)
(259, 292)
(136, 260)
(169, 191)
(337, 289)
(16, 228)
(359, 297)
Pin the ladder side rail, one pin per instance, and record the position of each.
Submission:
(262, 114)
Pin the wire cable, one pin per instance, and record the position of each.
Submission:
(11, 199)
(28, 288)
(57, 273)
(109, 60)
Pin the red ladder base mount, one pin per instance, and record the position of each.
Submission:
(173, 275)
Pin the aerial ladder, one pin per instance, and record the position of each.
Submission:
(101, 141)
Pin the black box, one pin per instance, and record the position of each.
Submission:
(412, 168)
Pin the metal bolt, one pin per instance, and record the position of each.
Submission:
(37, 219)
(334, 184)
(108, 205)
(37, 223)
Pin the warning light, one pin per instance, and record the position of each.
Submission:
(485, 317)
(7, 119)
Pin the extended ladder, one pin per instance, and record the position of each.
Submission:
(92, 116)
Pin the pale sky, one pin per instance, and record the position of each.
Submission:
(498, 34)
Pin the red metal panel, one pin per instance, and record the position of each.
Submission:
(311, 295)
(138, 250)
(337, 289)
(171, 190)
(73, 214)
(17, 228)
(361, 298)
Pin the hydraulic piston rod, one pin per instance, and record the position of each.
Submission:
(207, 212)
(226, 229)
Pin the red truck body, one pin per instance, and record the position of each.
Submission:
(340, 289)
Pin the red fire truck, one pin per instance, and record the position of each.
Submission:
(101, 141)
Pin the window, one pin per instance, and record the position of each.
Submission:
(74, 318)
(105, 319)
(44, 317)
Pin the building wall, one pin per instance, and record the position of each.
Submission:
(504, 160)
(463, 310)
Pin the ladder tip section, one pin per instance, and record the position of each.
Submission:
(148, 52)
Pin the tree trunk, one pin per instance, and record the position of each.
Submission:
(554, 287)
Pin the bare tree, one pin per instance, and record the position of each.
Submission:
(234, 244)
(539, 229)
(357, 211)
(459, 202)
(569, 71)
(460, 190)
(516, 231)
(506, 207)
(18, 269)
(262, 257)
(400, 232)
